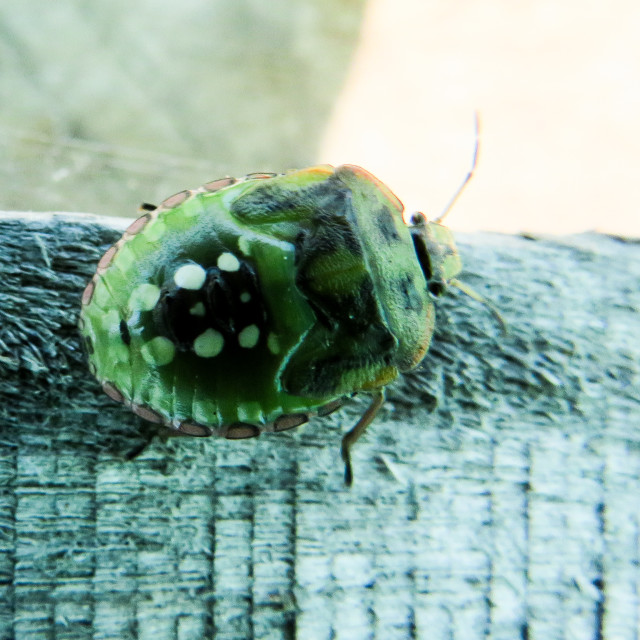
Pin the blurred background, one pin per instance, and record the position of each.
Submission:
(107, 105)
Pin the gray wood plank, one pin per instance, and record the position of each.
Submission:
(495, 497)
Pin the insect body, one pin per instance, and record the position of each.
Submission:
(251, 305)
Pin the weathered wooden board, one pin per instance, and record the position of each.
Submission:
(497, 496)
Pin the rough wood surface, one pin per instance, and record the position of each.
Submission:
(497, 496)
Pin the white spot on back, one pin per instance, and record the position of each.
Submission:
(249, 336)
(245, 296)
(208, 344)
(190, 276)
(228, 262)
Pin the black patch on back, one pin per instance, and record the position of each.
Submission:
(386, 224)
(124, 333)
(319, 364)
(224, 310)
(270, 202)
(407, 287)
(353, 312)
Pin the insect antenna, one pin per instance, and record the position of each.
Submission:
(465, 182)
(472, 293)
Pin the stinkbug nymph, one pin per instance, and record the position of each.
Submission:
(252, 305)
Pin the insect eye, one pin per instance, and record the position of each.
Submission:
(420, 246)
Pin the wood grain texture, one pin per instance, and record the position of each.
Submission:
(497, 495)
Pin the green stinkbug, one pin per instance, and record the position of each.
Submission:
(252, 305)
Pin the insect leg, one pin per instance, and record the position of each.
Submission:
(352, 436)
